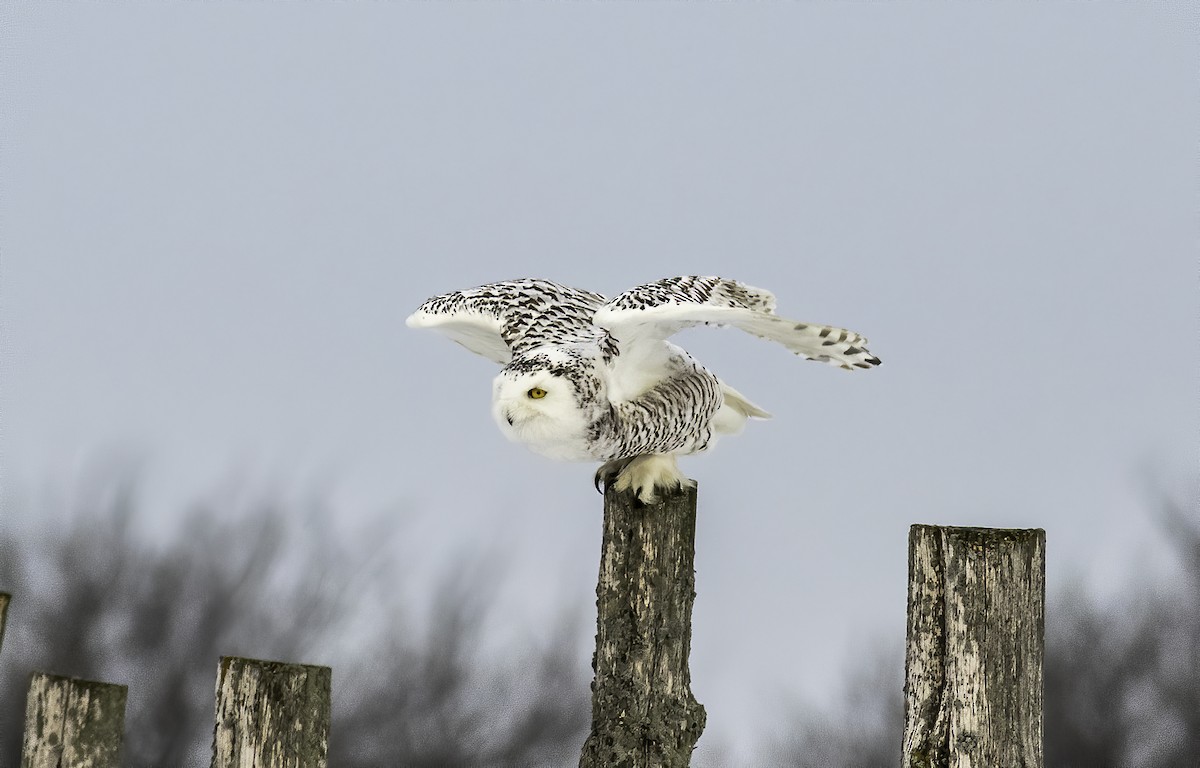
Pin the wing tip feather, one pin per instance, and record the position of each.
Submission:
(419, 319)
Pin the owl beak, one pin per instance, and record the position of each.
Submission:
(508, 417)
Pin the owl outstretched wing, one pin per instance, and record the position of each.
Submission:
(500, 320)
(655, 311)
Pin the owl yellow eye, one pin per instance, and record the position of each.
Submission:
(537, 393)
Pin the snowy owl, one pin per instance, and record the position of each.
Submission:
(587, 378)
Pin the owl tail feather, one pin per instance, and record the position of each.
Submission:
(738, 402)
(733, 413)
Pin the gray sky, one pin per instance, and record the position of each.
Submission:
(216, 216)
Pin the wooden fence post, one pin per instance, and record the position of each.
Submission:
(643, 711)
(271, 715)
(976, 607)
(75, 723)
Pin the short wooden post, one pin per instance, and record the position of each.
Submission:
(72, 723)
(271, 715)
(976, 607)
(643, 711)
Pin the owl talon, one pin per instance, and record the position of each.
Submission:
(646, 475)
(609, 471)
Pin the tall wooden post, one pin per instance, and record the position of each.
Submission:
(976, 607)
(271, 715)
(643, 711)
(70, 722)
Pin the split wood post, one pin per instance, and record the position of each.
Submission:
(643, 711)
(71, 723)
(271, 715)
(976, 609)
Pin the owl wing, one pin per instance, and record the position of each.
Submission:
(655, 311)
(500, 320)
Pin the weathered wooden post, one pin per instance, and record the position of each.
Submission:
(976, 608)
(271, 715)
(71, 723)
(643, 711)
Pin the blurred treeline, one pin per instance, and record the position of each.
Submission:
(412, 686)
(424, 688)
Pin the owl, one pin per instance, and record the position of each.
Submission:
(586, 378)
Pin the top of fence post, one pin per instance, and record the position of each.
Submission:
(72, 722)
(271, 715)
(976, 607)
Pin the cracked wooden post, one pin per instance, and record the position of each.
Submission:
(643, 711)
(271, 715)
(976, 607)
(71, 723)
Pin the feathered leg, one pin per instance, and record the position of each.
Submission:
(644, 475)
(607, 474)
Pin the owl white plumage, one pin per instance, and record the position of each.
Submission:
(591, 379)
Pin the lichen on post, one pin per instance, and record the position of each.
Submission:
(643, 712)
(271, 715)
(71, 722)
(976, 608)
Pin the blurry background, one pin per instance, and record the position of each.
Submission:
(217, 436)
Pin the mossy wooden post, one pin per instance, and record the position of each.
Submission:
(271, 715)
(976, 608)
(643, 711)
(72, 723)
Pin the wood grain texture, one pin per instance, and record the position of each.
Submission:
(72, 723)
(271, 715)
(643, 712)
(976, 608)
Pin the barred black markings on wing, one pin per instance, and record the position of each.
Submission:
(663, 308)
(523, 314)
(713, 291)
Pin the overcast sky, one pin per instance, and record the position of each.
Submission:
(216, 216)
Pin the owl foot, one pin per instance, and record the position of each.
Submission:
(644, 475)
(607, 474)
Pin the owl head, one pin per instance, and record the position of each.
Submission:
(543, 400)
